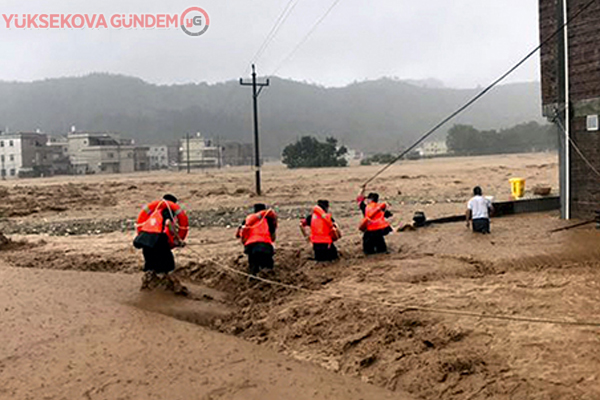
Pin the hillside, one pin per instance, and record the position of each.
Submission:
(372, 116)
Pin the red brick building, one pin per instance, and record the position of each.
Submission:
(570, 64)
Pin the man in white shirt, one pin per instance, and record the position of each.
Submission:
(478, 210)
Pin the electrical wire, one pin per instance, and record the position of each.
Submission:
(480, 94)
(287, 11)
(572, 142)
(305, 38)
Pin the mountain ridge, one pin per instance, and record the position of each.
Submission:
(369, 115)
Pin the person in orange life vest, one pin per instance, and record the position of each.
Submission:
(374, 224)
(323, 232)
(257, 233)
(158, 233)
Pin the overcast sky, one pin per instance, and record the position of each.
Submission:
(464, 43)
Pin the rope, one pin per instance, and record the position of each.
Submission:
(405, 308)
(480, 94)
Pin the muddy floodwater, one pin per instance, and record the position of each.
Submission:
(75, 325)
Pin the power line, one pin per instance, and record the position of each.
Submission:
(274, 30)
(480, 94)
(577, 149)
(287, 11)
(305, 38)
(291, 4)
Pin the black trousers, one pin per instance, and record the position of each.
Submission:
(158, 256)
(374, 241)
(325, 252)
(260, 256)
(481, 225)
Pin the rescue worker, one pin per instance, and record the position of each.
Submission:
(478, 211)
(374, 224)
(323, 232)
(162, 226)
(257, 234)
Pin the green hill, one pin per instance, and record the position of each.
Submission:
(371, 116)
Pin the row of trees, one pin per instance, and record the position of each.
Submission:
(522, 138)
(309, 152)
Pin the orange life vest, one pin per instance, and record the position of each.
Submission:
(151, 220)
(256, 228)
(322, 229)
(374, 219)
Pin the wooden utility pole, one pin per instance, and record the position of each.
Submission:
(255, 94)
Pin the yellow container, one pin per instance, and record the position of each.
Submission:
(517, 187)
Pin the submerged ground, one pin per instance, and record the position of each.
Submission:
(76, 325)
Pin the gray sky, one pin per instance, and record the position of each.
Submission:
(464, 43)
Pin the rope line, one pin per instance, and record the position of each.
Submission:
(482, 93)
(406, 308)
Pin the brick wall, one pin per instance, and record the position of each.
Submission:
(548, 52)
(585, 184)
(584, 88)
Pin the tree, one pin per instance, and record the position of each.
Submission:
(531, 136)
(309, 152)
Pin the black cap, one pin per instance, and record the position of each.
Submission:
(259, 207)
(170, 197)
(373, 196)
(324, 204)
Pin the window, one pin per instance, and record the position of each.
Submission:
(3, 172)
(2, 158)
(1, 143)
(11, 157)
(12, 172)
(11, 143)
(592, 122)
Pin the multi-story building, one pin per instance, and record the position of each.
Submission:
(173, 155)
(198, 152)
(141, 160)
(100, 152)
(158, 157)
(58, 155)
(23, 154)
(234, 153)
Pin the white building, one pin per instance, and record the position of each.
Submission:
(198, 152)
(159, 157)
(431, 149)
(23, 154)
(97, 153)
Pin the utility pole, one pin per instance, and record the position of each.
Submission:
(218, 151)
(187, 141)
(255, 94)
